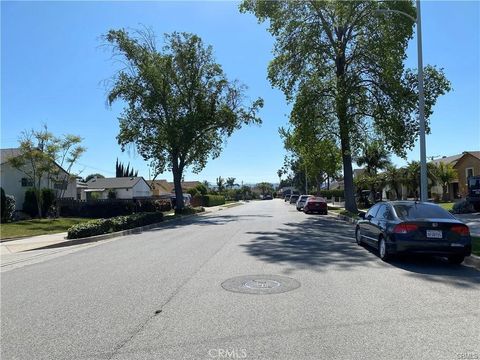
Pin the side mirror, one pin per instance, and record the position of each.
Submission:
(361, 215)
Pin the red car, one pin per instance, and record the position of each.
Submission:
(315, 204)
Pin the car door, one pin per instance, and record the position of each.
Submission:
(384, 215)
(376, 223)
(367, 226)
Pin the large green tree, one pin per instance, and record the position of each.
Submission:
(342, 62)
(179, 105)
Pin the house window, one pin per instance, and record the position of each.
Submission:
(27, 182)
(469, 173)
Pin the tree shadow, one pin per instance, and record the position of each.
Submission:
(321, 243)
(315, 243)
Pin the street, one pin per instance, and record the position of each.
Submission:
(159, 295)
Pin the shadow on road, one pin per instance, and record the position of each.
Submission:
(314, 243)
(318, 243)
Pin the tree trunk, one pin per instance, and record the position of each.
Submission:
(177, 182)
(444, 194)
(341, 103)
(328, 182)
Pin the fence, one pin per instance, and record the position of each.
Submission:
(104, 208)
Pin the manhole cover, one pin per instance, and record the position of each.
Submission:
(260, 284)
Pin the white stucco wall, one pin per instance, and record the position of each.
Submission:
(11, 182)
(141, 189)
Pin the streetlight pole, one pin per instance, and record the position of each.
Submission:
(421, 101)
(421, 111)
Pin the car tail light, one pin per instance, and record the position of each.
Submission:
(460, 229)
(404, 228)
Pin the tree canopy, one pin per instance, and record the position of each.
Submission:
(342, 64)
(179, 104)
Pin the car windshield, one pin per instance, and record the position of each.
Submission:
(421, 211)
(316, 199)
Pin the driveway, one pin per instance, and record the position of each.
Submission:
(159, 295)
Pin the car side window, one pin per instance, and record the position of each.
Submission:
(372, 211)
(384, 213)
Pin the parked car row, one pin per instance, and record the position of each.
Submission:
(308, 203)
(397, 227)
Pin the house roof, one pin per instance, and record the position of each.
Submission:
(454, 158)
(114, 183)
(7, 154)
(168, 187)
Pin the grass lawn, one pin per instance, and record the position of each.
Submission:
(476, 245)
(37, 227)
(447, 206)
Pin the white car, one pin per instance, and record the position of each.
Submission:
(301, 201)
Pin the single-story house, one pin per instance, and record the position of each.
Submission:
(466, 164)
(123, 187)
(164, 187)
(15, 182)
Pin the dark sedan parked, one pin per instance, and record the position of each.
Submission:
(414, 227)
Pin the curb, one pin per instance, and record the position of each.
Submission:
(137, 230)
(472, 260)
(342, 217)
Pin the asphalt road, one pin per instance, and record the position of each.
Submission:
(158, 295)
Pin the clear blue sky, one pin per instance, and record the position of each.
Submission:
(53, 65)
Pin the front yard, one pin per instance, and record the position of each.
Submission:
(37, 227)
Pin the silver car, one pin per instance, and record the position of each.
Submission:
(301, 202)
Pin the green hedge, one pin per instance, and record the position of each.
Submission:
(329, 193)
(119, 223)
(213, 200)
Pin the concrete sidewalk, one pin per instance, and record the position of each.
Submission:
(41, 241)
(29, 243)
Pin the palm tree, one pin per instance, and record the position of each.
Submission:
(265, 187)
(394, 178)
(220, 184)
(375, 157)
(412, 176)
(230, 182)
(445, 174)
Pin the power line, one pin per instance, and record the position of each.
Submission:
(95, 168)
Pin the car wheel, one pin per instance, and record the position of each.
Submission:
(456, 259)
(298, 209)
(358, 236)
(382, 249)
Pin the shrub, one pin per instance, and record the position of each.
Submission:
(463, 207)
(9, 210)
(213, 200)
(48, 200)
(329, 193)
(193, 191)
(30, 203)
(119, 223)
(202, 189)
(3, 205)
(190, 210)
(112, 194)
